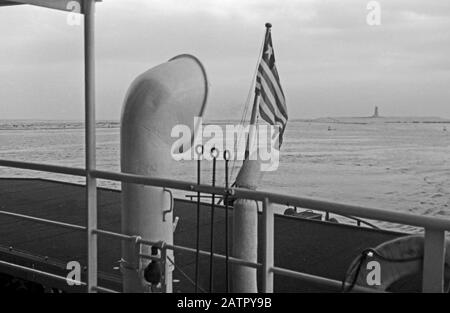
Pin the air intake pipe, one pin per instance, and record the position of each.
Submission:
(170, 94)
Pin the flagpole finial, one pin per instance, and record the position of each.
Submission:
(268, 25)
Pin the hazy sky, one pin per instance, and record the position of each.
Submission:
(331, 62)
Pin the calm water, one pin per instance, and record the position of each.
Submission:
(402, 167)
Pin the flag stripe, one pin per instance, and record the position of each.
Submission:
(265, 86)
(275, 100)
(268, 116)
(268, 108)
(266, 91)
(275, 86)
(264, 67)
(267, 119)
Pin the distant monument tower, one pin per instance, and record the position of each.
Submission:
(375, 114)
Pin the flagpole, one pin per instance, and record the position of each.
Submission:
(253, 117)
(245, 213)
(256, 100)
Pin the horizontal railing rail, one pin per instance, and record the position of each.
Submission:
(104, 290)
(42, 220)
(56, 169)
(176, 248)
(126, 237)
(307, 203)
(336, 285)
(359, 221)
(40, 273)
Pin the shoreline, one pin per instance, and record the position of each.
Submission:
(102, 124)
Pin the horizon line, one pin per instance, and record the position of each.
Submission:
(227, 119)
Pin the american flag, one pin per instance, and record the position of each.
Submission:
(272, 104)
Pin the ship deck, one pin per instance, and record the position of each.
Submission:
(314, 247)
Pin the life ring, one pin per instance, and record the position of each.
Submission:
(397, 259)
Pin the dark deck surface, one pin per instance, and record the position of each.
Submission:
(314, 247)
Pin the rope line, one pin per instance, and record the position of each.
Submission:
(227, 249)
(247, 104)
(186, 275)
(211, 247)
(197, 241)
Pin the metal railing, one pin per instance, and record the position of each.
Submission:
(434, 252)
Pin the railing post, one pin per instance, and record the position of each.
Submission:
(268, 247)
(166, 283)
(91, 182)
(433, 261)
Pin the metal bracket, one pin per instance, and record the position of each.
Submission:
(134, 266)
(164, 266)
(175, 223)
(171, 204)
